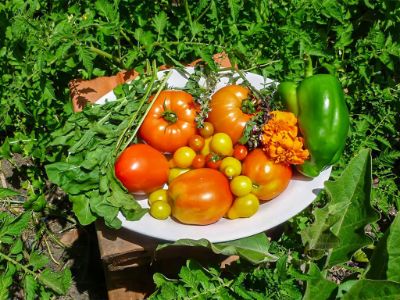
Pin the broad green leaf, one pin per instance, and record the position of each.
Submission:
(17, 247)
(373, 290)
(57, 281)
(30, 287)
(4, 193)
(38, 261)
(318, 287)
(385, 261)
(6, 280)
(12, 227)
(339, 226)
(253, 248)
(81, 207)
(160, 21)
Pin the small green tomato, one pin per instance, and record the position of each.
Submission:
(160, 210)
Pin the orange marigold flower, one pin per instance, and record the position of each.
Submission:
(280, 139)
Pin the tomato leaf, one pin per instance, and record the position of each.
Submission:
(80, 205)
(57, 281)
(373, 289)
(4, 193)
(318, 287)
(339, 226)
(385, 260)
(253, 248)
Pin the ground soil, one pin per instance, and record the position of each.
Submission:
(68, 244)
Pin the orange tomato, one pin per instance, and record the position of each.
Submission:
(170, 122)
(200, 196)
(226, 111)
(269, 179)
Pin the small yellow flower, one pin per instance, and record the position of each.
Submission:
(280, 139)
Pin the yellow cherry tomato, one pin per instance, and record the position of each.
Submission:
(206, 148)
(207, 130)
(221, 143)
(244, 207)
(160, 210)
(183, 157)
(230, 166)
(158, 195)
(241, 185)
(175, 172)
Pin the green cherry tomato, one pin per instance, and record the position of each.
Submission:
(230, 166)
(160, 210)
(244, 207)
(221, 143)
(183, 157)
(158, 195)
(241, 185)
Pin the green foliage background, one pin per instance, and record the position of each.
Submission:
(45, 44)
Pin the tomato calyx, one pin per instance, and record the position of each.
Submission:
(249, 106)
(170, 116)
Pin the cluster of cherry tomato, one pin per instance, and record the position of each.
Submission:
(208, 175)
(215, 151)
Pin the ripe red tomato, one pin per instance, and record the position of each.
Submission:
(170, 122)
(269, 179)
(213, 161)
(196, 142)
(226, 111)
(240, 152)
(135, 169)
(200, 196)
(199, 161)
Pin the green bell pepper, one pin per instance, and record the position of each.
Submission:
(318, 102)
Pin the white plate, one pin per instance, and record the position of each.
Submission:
(297, 196)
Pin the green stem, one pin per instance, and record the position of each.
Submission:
(189, 16)
(170, 116)
(14, 262)
(162, 85)
(308, 68)
(107, 55)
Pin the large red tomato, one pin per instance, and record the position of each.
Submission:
(170, 122)
(200, 196)
(228, 108)
(269, 179)
(141, 169)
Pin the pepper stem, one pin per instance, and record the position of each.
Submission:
(308, 68)
(170, 116)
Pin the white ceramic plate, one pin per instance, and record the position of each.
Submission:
(297, 196)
